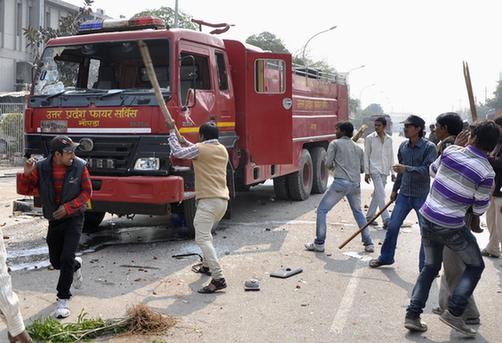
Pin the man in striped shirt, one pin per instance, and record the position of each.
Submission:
(463, 179)
(63, 183)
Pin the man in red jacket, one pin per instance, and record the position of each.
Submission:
(64, 185)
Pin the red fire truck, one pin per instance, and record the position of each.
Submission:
(275, 119)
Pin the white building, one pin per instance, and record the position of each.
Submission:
(15, 15)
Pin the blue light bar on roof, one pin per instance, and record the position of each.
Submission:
(91, 26)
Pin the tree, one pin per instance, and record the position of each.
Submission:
(360, 117)
(69, 25)
(372, 109)
(496, 101)
(268, 42)
(167, 15)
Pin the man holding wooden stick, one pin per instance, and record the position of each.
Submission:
(210, 159)
(414, 156)
(463, 179)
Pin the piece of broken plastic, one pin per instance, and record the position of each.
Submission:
(286, 272)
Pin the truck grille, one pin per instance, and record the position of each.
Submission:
(111, 155)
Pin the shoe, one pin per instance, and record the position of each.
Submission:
(472, 321)
(78, 278)
(386, 225)
(375, 223)
(213, 286)
(62, 308)
(314, 247)
(437, 310)
(415, 324)
(375, 263)
(457, 323)
(369, 248)
(485, 253)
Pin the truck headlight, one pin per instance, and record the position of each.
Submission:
(147, 163)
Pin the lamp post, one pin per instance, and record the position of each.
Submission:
(308, 41)
(355, 68)
(361, 92)
(176, 14)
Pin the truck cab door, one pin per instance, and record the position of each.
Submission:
(268, 109)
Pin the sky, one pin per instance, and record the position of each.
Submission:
(412, 50)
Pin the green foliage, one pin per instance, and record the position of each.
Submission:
(69, 25)
(167, 15)
(51, 330)
(267, 41)
(496, 101)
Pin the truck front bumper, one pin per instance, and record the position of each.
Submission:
(136, 194)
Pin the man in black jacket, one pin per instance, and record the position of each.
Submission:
(64, 186)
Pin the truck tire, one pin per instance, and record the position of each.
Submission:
(189, 209)
(300, 182)
(92, 221)
(321, 173)
(281, 187)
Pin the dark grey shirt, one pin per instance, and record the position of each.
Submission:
(347, 158)
(415, 181)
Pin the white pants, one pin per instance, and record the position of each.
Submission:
(209, 213)
(494, 224)
(378, 197)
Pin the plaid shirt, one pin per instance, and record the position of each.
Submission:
(415, 181)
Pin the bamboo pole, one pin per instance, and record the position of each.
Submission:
(470, 94)
(147, 60)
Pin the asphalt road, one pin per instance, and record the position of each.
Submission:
(336, 298)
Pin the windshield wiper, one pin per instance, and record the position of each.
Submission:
(112, 92)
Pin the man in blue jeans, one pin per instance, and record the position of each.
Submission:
(414, 156)
(463, 179)
(348, 160)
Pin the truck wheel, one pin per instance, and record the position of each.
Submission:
(189, 214)
(320, 180)
(300, 182)
(281, 187)
(92, 221)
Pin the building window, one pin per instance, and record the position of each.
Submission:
(19, 19)
(31, 19)
(47, 19)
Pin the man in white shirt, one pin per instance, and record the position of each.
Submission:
(378, 162)
(9, 303)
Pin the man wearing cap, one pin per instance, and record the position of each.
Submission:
(413, 182)
(64, 186)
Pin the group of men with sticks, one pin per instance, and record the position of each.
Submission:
(466, 167)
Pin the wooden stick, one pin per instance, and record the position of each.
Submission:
(360, 132)
(147, 60)
(468, 84)
(365, 226)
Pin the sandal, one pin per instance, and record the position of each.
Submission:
(213, 286)
(199, 268)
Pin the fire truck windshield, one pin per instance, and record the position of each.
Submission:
(101, 69)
